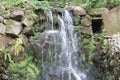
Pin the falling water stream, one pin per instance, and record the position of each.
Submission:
(68, 63)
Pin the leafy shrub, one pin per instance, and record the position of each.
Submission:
(24, 70)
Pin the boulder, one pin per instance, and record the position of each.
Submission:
(86, 30)
(78, 11)
(2, 28)
(97, 11)
(111, 21)
(13, 28)
(27, 22)
(17, 15)
(86, 21)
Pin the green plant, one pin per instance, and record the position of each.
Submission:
(41, 5)
(24, 70)
(7, 55)
(17, 46)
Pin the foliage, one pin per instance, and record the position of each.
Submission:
(7, 55)
(93, 44)
(17, 46)
(24, 70)
(41, 4)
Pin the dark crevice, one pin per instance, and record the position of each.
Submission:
(97, 25)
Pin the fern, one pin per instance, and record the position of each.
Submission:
(17, 46)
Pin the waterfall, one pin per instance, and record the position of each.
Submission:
(68, 62)
(69, 47)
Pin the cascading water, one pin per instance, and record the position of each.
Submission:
(67, 62)
(69, 47)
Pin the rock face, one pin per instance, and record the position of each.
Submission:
(2, 28)
(17, 15)
(97, 11)
(4, 41)
(111, 21)
(13, 28)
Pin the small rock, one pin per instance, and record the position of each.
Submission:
(27, 22)
(97, 11)
(2, 28)
(17, 15)
(78, 11)
(13, 28)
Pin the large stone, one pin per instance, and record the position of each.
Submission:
(86, 21)
(27, 22)
(17, 15)
(2, 28)
(111, 21)
(97, 11)
(86, 30)
(13, 28)
(78, 11)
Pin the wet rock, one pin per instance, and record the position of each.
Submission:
(58, 11)
(2, 28)
(78, 11)
(97, 11)
(27, 22)
(17, 15)
(13, 28)
(86, 21)
(70, 9)
(44, 43)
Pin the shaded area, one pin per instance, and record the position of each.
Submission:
(97, 25)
